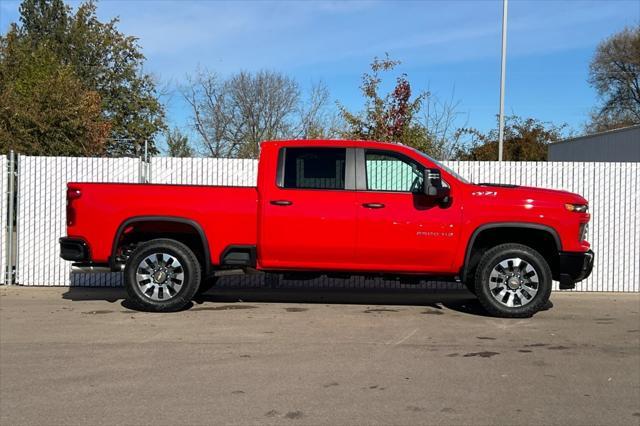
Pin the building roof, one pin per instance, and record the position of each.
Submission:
(605, 133)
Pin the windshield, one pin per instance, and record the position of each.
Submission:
(442, 166)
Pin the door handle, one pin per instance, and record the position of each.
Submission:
(281, 202)
(373, 205)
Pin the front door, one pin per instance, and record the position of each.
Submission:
(399, 228)
(309, 217)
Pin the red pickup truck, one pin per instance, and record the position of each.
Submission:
(324, 207)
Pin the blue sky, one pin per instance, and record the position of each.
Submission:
(443, 46)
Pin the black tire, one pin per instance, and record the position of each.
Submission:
(206, 285)
(190, 271)
(470, 284)
(498, 254)
(272, 280)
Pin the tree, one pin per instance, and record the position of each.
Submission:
(46, 110)
(314, 121)
(212, 117)
(615, 74)
(101, 58)
(178, 144)
(391, 117)
(263, 104)
(440, 119)
(233, 116)
(421, 121)
(524, 140)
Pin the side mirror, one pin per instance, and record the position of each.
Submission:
(433, 187)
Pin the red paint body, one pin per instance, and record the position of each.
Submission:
(328, 230)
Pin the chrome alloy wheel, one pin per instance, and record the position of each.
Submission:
(513, 282)
(160, 276)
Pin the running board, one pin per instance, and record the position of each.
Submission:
(94, 268)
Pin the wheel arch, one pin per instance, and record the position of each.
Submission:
(499, 229)
(202, 243)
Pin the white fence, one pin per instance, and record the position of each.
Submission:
(611, 188)
(4, 190)
(204, 171)
(42, 213)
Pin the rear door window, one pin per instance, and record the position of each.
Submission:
(315, 168)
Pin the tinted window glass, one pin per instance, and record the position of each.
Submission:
(314, 168)
(389, 172)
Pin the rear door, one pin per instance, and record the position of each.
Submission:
(309, 215)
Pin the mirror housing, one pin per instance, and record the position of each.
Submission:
(433, 187)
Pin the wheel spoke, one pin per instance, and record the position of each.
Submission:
(523, 296)
(501, 294)
(523, 266)
(510, 264)
(170, 290)
(510, 299)
(532, 291)
(146, 287)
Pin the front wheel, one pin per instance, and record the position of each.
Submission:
(513, 281)
(162, 275)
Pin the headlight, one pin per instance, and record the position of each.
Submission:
(578, 208)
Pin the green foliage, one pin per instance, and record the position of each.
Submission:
(46, 110)
(392, 117)
(178, 144)
(101, 59)
(524, 140)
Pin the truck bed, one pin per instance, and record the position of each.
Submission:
(226, 214)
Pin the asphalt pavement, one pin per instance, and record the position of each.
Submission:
(278, 356)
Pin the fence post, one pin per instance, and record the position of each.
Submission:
(146, 162)
(10, 219)
(143, 165)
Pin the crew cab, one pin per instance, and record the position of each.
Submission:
(325, 207)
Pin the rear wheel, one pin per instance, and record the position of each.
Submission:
(513, 281)
(162, 275)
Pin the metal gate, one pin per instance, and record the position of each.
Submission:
(4, 219)
(41, 214)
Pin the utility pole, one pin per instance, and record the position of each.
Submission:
(502, 77)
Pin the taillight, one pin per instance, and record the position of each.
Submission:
(72, 194)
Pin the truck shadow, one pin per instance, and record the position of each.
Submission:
(442, 296)
(459, 301)
(456, 300)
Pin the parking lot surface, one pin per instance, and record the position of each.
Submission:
(257, 356)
